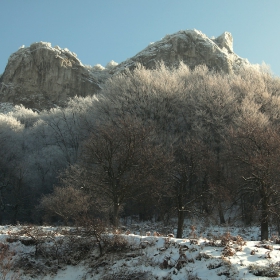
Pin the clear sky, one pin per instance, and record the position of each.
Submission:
(102, 30)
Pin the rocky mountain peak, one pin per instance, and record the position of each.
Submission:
(225, 41)
(193, 48)
(42, 76)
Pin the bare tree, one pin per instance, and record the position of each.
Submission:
(121, 159)
(68, 203)
(191, 158)
(257, 151)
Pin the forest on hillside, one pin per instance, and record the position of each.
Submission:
(158, 144)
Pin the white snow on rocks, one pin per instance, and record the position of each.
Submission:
(44, 45)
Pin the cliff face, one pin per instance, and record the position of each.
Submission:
(42, 77)
(193, 48)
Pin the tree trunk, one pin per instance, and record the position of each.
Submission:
(66, 222)
(180, 225)
(264, 219)
(116, 214)
(2, 205)
(221, 213)
(219, 180)
(264, 230)
(98, 239)
(16, 212)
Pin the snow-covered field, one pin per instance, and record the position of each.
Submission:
(138, 252)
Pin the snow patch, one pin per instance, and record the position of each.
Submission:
(214, 253)
(98, 67)
(111, 65)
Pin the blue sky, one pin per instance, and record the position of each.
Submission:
(102, 30)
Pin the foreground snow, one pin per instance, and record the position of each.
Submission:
(207, 253)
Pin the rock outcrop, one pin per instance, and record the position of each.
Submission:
(42, 77)
(193, 48)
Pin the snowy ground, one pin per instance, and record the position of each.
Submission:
(207, 252)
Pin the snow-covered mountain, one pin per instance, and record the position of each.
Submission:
(42, 76)
(191, 47)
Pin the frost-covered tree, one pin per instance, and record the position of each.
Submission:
(10, 155)
(180, 102)
(68, 127)
(170, 105)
